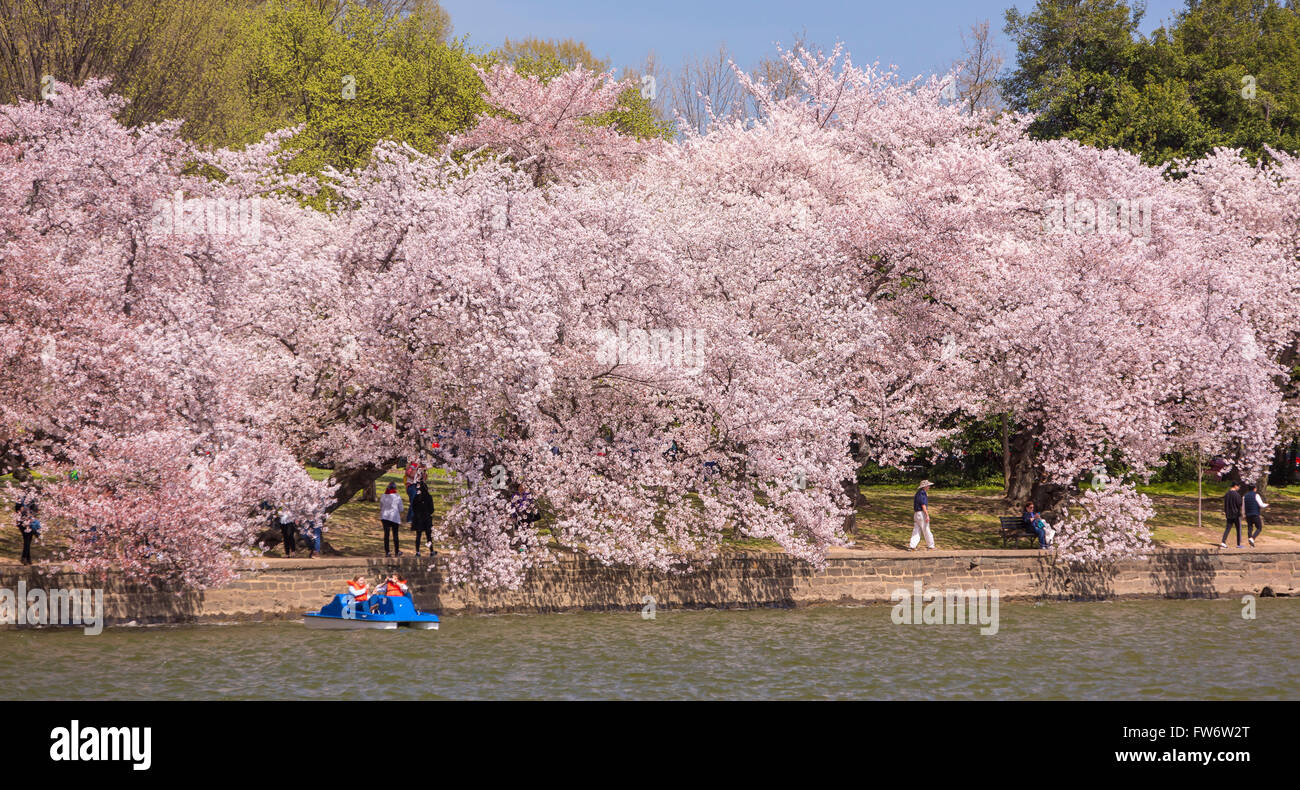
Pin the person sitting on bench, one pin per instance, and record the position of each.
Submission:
(1034, 523)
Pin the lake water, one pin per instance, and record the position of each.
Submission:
(1148, 649)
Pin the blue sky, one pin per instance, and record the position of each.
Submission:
(919, 36)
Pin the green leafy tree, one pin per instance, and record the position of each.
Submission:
(1225, 73)
(350, 72)
(354, 78)
(1075, 59)
(1240, 60)
(168, 58)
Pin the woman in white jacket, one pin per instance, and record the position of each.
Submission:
(390, 515)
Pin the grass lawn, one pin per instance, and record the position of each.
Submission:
(354, 528)
(961, 518)
(967, 518)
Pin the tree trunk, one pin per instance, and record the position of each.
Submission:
(1019, 467)
(368, 494)
(354, 479)
(1006, 453)
(1284, 465)
(854, 495)
(1048, 497)
(1025, 477)
(1200, 486)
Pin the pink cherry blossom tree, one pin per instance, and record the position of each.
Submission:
(1261, 205)
(1097, 345)
(130, 343)
(634, 350)
(550, 128)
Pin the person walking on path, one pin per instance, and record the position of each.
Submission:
(1253, 507)
(390, 516)
(921, 517)
(1232, 502)
(27, 524)
(422, 517)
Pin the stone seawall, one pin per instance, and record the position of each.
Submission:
(276, 588)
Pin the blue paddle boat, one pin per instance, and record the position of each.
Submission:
(345, 613)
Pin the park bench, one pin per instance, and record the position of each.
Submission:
(1013, 528)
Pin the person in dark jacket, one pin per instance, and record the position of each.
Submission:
(26, 508)
(287, 531)
(422, 516)
(1232, 511)
(921, 517)
(1034, 523)
(311, 535)
(1252, 506)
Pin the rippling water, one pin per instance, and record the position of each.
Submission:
(1120, 650)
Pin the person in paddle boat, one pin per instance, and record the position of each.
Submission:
(360, 592)
(386, 606)
(395, 587)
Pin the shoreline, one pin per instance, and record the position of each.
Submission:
(281, 589)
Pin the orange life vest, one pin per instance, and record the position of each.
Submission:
(358, 591)
(394, 589)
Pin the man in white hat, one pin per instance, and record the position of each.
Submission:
(921, 517)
